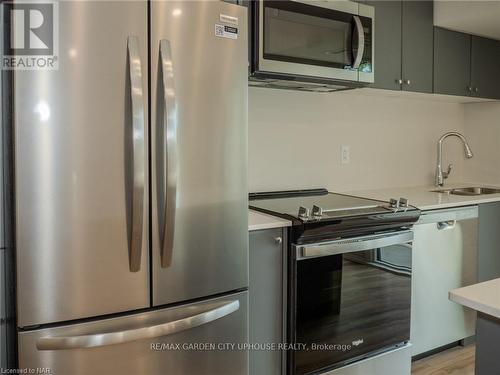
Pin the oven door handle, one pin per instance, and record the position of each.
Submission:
(361, 42)
(352, 244)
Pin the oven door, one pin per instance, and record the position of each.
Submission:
(352, 300)
(327, 39)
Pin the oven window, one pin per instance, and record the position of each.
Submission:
(302, 36)
(351, 305)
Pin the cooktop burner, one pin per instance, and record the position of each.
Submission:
(318, 212)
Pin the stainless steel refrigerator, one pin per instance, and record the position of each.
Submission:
(131, 192)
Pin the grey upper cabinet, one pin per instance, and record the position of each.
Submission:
(485, 67)
(451, 62)
(403, 45)
(387, 44)
(417, 45)
(466, 65)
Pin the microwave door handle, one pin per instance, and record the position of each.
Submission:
(169, 174)
(139, 161)
(361, 42)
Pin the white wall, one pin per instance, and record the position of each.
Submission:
(482, 129)
(295, 139)
(476, 17)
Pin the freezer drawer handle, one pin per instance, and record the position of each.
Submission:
(122, 337)
(169, 174)
(139, 159)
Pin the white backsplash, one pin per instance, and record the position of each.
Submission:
(482, 129)
(295, 140)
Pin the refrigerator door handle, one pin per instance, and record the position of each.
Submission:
(125, 336)
(169, 174)
(138, 151)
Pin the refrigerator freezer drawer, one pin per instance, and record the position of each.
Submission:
(188, 339)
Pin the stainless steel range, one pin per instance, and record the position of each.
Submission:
(349, 275)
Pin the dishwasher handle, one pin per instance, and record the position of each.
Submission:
(445, 225)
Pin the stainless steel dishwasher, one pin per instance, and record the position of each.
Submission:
(444, 258)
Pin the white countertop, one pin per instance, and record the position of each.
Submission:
(259, 220)
(423, 198)
(419, 196)
(483, 297)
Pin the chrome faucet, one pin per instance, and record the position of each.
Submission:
(440, 175)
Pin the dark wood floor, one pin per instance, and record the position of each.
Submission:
(455, 361)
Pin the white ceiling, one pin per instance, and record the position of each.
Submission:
(478, 17)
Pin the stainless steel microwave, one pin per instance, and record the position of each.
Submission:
(311, 45)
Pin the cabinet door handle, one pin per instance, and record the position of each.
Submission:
(399, 81)
(476, 90)
(407, 82)
(278, 240)
(469, 88)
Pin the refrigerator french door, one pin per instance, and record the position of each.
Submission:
(82, 171)
(199, 153)
(131, 193)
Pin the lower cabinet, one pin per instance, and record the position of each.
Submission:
(444, 258)
(488, 332)
(266, 300)
(489, 241)
(3, 317)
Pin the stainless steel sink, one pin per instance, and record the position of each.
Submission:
(469, 191)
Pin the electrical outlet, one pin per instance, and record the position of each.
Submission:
(345, 154)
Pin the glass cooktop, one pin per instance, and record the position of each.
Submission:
(331, 205)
